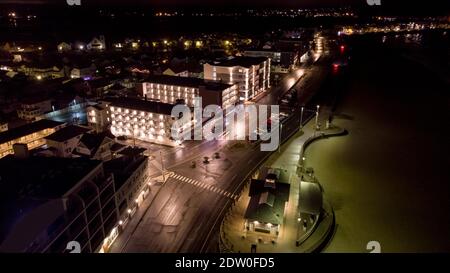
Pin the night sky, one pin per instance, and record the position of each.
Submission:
(255, 3)
(397, 7)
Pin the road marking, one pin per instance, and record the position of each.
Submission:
(202, 185)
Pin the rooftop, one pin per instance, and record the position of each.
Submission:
(187, 82)
(67, 133)
(28, 129)
(243, 61)
(143, 105)
(267, 204)
(267, 201)
(123, 167)
(27, 183)
(93, 141)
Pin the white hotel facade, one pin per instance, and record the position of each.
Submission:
(142, 119)
(169, 89)
(251, 74)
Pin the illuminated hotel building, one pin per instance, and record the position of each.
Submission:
(169, 89)
(142, 119)
(252, 74)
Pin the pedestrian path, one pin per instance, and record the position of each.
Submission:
(197, 183)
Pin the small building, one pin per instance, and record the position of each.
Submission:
(97, 117)
(97, 43)
(31, 134)
(252, 74)
(64, 141)
(33, 107)
(3, 126)
(268, 197)
(100, 146)
(176, 71)
(64, 47)
(85, 71)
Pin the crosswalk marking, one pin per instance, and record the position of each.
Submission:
(203, 185)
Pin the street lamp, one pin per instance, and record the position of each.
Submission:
(317, 117)
(301, 118)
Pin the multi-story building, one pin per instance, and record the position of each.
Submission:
(97, 117)
(130, 177)
(31, 134)
(142, 119)
(47, 202)
(32, 108)
(280, 60)
(252, 74)
(169, 89)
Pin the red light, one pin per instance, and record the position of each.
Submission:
(342, 47)
(335, 66)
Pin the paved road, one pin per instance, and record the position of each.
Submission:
(185, 214)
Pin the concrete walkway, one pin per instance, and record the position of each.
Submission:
(235, 238)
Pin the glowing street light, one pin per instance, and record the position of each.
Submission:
(301, 118)
(317, 116)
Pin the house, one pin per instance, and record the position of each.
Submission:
(64, 141)
(97, 43)
(97, 117)
(268, 197)
(99, 146)
(176, 71)
(64, 47)
(98, 87)
(85, 71)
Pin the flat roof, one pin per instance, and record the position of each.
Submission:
(187, 82)
(123, 167)
(244, 61)
(67, 133)
(28, 129)
(143, 105)
(30, 182)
